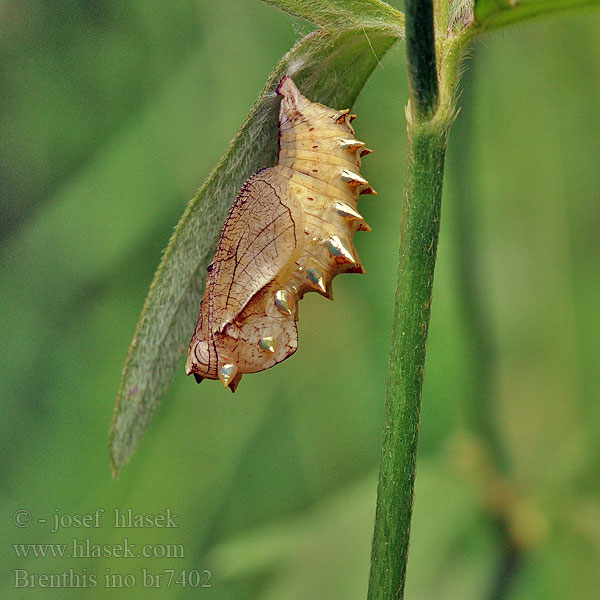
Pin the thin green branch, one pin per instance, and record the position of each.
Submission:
(429, 118)
(420, 52)
(418, 245)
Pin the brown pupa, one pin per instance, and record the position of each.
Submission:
(289, 232)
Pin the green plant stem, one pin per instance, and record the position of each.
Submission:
(418, 244)
(420, 53)
(427, 135)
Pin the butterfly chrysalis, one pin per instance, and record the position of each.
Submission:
(290, 231)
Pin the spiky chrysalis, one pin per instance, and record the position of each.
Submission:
(290, 231)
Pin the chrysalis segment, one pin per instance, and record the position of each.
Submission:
(290, 231)
(258, 245)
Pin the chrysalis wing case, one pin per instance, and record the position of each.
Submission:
(289, 232)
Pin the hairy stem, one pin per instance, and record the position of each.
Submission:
(420, 53)
(429, 116)
(418, 244)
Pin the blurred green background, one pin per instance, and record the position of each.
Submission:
(112, 113)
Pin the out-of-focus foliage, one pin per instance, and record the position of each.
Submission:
(112, 114)
(496, 13)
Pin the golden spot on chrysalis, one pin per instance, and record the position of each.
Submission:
(227, 373)
(283, 301)
(315, 277)
(267, 343)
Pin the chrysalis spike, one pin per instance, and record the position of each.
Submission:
(351, 145)
(267, 343)
(341, 116)
(339, 251)
(369, 190)
(228, 373)
(315, 279)
(352, 117)
(353, 179)
(235, 382)
(364, 151)
(357, 268)
(346, 211)
(284, 302)
(198, 378)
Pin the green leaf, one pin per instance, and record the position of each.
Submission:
(328, 68)
(490, 14)
(345, 14)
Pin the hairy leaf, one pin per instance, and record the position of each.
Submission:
(345, 14)
(491, 14)
(328, 68)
